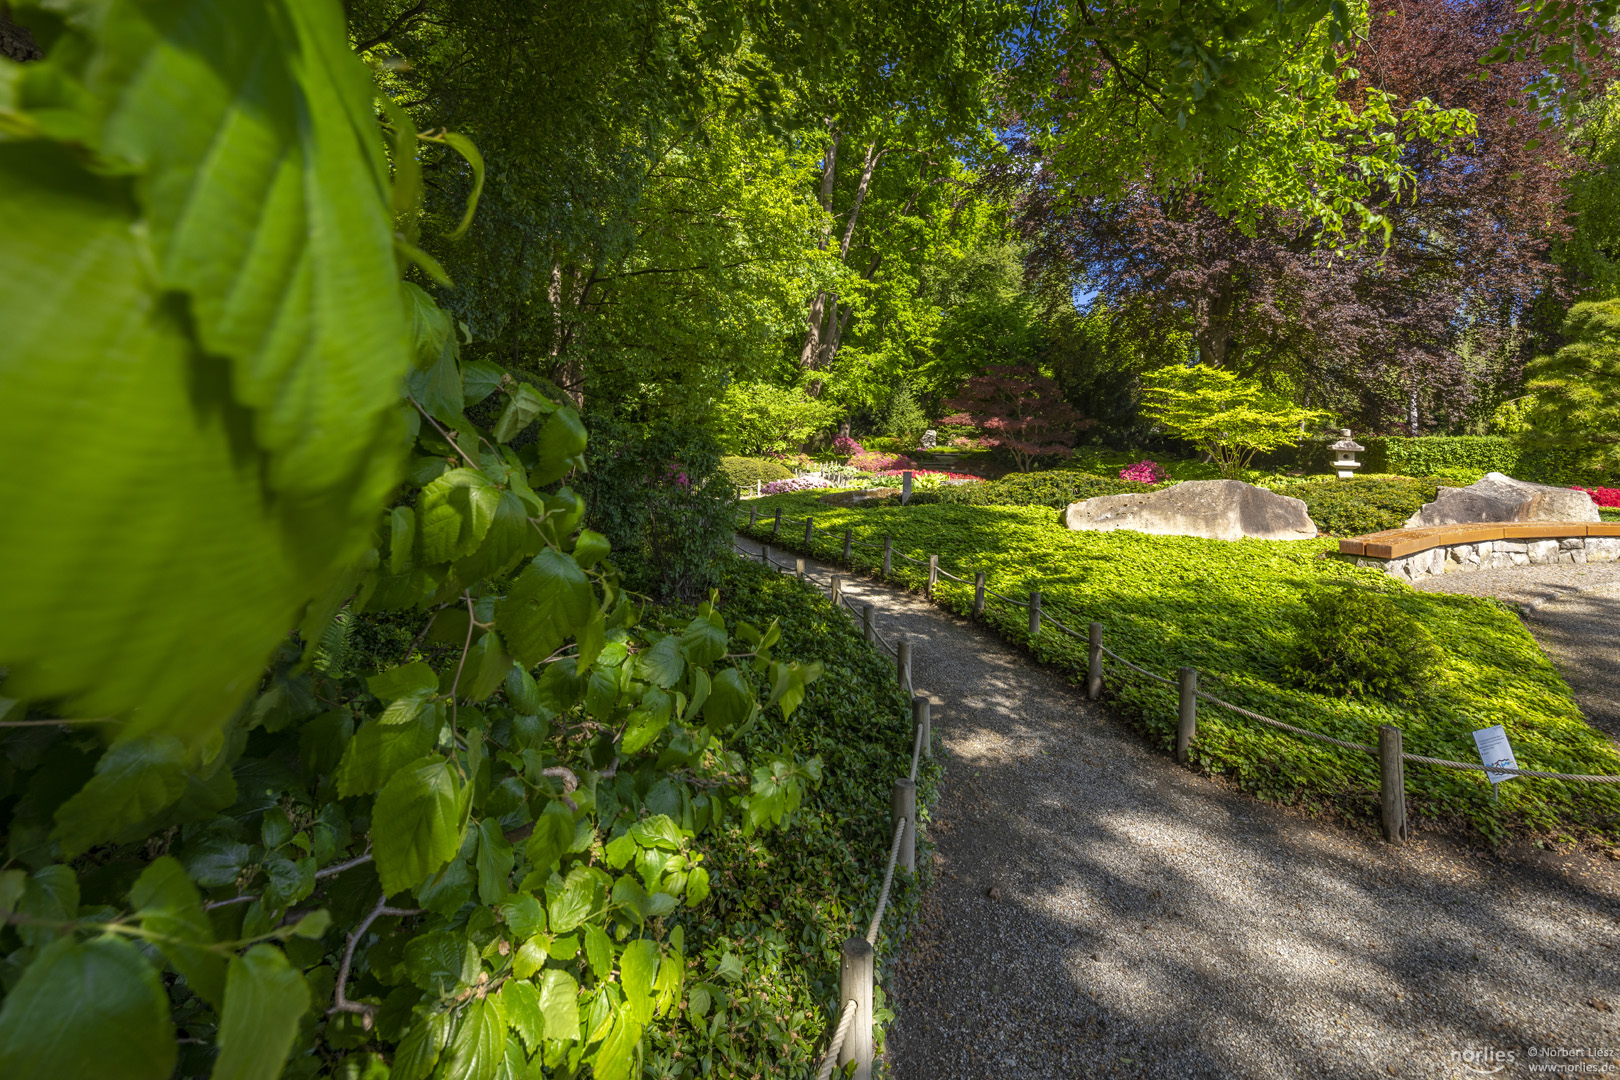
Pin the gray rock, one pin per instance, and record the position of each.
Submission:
(1501, 498)
(1215, 509)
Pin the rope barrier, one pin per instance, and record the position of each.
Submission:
(1465, 766)
(830, 1062)
(916, 751)
(944, 573)
(1138, 670)
(1309, 734)
(1007, 599)
(888, 879)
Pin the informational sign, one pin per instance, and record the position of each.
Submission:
(1494, 749)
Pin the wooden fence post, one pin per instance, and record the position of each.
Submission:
(902, 664)
(933, 575)
(849, 543)
(978, 595)
(904, 805)
(905, 487)
(753, 516)
(855, 971)
(1034, 613)
(1094, 668)
(837, 589)
(1392, 783)
(867, 625)
(765, 554)
(1187, 722)
(798, 567)
(777, 528)
(809, 531)
(921, 717)
(888, 552)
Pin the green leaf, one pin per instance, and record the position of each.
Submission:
(571, 902)
(559, 447)
(479, 1044)
(697, 886)
(495, 862)
(87, 1009)
(406, 681)
(466, 148)
(236, 308)
(520, 411)
(552, 836)
(440, 961)
(529, 958)
(521, 692)
(419, 1050)
(663, 664)
(598, 951)
(613, 1058)
(382, 747)
(167, 903)
(638, 967)
(657, 830)
(401, 538)
(590, 548)
(520, 1000)
(134, 780)
(731, 701)
(730, 968)
(704, 640)
(454, 514)
(697, 1002)
(592, 639)
(559, 1003)
(523, 915)
(416, 823)
(479, 378)
(264, 998)
(550, 600)
(486, 668)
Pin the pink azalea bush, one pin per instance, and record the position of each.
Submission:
(920, 473)
(1144, 472)
(796, 483)
(846, 445)
(1603, 496)
(878, 462)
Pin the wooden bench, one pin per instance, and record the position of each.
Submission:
(1444, 549)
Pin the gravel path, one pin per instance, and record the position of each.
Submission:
(1099, 911)
(1574, 613)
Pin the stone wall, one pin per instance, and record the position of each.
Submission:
(1497, 554)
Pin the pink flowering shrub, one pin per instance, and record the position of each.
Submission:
(1144, 472)
(846, 445)
(920, 473)
(1603, 496)
(797, 483)
(876, 462)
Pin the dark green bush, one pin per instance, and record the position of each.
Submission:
(744, 471)
(1366, 504)
(1056, 488)
(1357, 641)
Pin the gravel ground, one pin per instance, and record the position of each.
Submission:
(1099, 911)
(1574, 612)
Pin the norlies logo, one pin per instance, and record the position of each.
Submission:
(1485, 1061)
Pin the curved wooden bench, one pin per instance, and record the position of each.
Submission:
(1445, 549)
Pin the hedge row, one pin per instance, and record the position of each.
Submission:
(1432, 455)
(744, 471)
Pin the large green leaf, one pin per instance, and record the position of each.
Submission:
(134, 780)
(548, 602)
(385, 745)
(559, 1004)
(264, 997)
(730, 702)
(208, 354)
(571, 901)
(167, 903)
(479, 1044)
(93, 1008)
(419, 1050)
(638, 967)
(495, 861)
(416, 823)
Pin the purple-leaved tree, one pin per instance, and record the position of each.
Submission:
(1019, 410)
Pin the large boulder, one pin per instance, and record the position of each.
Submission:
(1216, 509)
(1501, 498)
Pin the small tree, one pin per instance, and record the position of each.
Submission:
(1019, 410)
(1575, 392)
(1229, 417)
(758, 418)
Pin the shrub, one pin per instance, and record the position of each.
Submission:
(1144, 472)
(756, 418)
(904, 419)
(1056, 488)
(1230, 418)
(1359, 642)
(796, 483)
(846, 445)
(1603, 496)
(1365, 504)
(744, 471)
(876, 462)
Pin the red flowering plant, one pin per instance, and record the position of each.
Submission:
(846, 445)
(877, 462)
(1017, 409)
(1603, 496)
(1145, 472)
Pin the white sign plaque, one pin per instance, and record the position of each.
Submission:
(1495, 750)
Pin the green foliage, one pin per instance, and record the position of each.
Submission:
(744, 471)
(1229, 417)
(1364, 504)
(1576, 391)
(1228, 609)
(1434, 454)
(760, 418)
(903, 419)
(657, 493)
(1056, 488)
(1361, 642)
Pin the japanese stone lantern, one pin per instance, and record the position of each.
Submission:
(1346, 449)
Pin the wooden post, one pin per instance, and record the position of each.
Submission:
(905, 487)
(1094, 668)
(933, 575)
(765, 554)
(837, 589)
(759, 488)
(904, 805)
(753, 516)
(777, 528)
(809, 531)
(888, 552)
(902, 664)
(855, 971)
(1187, 723)
(798, 567)
(1034, 613)
(1392, 782)
(921, 717)
(978, 594)
(849, 544)
(867, 625)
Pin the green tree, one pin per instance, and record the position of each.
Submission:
(1591, 254)
(1227, 416)
(1575, 392)
(762, 418)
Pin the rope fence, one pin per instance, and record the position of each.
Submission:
(1392, 758)
(853, 1039)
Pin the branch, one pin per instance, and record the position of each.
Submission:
(340, 1000)
(392, 28)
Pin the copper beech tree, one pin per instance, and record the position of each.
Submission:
(1018, 410)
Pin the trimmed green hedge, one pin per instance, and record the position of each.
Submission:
(743, 471)
(1365, 504)
(1229, 609)
(1055, 488)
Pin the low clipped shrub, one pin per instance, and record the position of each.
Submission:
(877, 461)
(1365, 504)
(1056, 488)
(1358, 642)
(744, 471)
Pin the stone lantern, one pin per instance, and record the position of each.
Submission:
(1346, 450)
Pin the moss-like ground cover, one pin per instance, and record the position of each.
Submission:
(1228, 609)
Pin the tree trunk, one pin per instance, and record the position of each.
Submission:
(16, 43)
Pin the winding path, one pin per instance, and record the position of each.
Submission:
(1096, 910)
